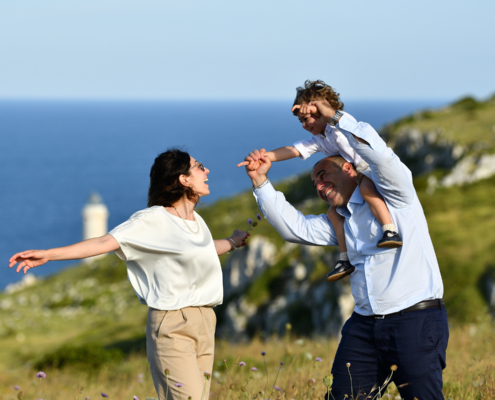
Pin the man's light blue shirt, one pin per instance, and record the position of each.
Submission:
(385, 280)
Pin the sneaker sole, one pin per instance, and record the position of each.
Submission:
(390, 245)
(336, 277)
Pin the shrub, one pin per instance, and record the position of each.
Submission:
(89, 356)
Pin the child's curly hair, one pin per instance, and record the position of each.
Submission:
(317, 90)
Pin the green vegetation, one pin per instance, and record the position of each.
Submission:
(468, 122)
(470, 372)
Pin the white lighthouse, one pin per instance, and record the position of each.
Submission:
(95, 220)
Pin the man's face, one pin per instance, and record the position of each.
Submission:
(311, 124)
(333, 184)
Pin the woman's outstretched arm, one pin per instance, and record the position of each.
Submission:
(87, 248)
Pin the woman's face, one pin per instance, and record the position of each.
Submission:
(198, 177)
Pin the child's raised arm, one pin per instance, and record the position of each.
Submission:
(280, 154)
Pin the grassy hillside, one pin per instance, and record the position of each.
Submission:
(468, 122)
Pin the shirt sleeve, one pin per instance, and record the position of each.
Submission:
(306, 148)
(290, 223)
(129, 235)
(391, 177)
(345, 149)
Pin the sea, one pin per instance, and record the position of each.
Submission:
(56, 153)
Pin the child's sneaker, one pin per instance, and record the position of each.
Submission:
(343, 268)
(390, 239)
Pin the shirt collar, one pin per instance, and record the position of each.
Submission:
(356, 197)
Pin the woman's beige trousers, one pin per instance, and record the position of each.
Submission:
(180, 347)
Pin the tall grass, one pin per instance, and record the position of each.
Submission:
(239, 372)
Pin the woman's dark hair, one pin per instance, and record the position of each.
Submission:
(165, 188)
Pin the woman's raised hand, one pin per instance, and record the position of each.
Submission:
(29, 259)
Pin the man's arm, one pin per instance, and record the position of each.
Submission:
(290, 223)
(391, 177)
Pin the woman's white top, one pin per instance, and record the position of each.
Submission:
(331, 143)
(168, 266)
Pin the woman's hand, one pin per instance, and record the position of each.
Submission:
(240, 237)
(29, 259)
(87, 248)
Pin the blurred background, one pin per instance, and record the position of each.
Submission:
(91, 92)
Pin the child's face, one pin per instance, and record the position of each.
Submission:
(312, 124)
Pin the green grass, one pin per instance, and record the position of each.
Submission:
(467, 122)
(470, 372)
(461, 221)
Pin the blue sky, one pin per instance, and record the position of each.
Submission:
(219, 49)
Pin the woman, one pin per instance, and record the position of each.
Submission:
(173, 266)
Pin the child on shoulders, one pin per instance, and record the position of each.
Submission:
(329, 140)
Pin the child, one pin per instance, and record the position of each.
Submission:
(329, 140)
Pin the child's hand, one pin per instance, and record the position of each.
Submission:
(319, 109)
(306, 110)
(251, 162)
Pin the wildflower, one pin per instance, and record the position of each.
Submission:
(104, 394)
(179, 384)
(393, 367)
(263, 353)
(135, 398)
(254, 369)
(17, 387)
(250, 221)
(243, 389)
(311, 382)
(140, 378)
(207, 375)
(232, 387)
(242, 364)
(348, 365)
(328, 381)
(41, 375)
(20, 395)
(258, 217)
(387, 396)
(167, 372)
(281, 363)
(225, 360)
(255, 224)
(318, 359)
(277, 388)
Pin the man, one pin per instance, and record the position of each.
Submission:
(399, 318)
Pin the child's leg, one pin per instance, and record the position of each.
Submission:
(337, 221)
(343, 266)
(380, 211)
(375, 201)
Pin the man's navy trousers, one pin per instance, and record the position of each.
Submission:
(415, 342)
